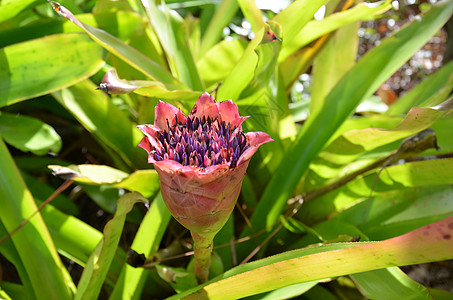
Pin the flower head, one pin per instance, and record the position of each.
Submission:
(201, 160)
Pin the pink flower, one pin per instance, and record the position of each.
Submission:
(201, 160)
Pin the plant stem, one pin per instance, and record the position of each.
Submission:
(202, 247)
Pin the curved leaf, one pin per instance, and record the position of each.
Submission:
(144, 181)
(357, 141)
(122, 50)
(221, 18)
(29, 134)
(218, 62)
(295, 17)
(114, 85)
(429, 243)
(359, 83)
(315, 29)
(10, 8)
(99, 262)
(436, 87)
(96, 112)
(122, 24)
(44, 66)
(390, 283)
(48, 276)
(169, 28)
(132, 280)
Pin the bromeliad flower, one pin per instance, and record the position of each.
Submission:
(201, 160)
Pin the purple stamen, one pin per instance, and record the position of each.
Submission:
(201, 143)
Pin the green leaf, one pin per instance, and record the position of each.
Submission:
(43, 65)
(429, 243)
(144, 181)
(132, 280)
(29, 134)
(114, 85)
(390, 283)
(10, 291)
(244, 71)
(96, 112)
(72, 237)
(221, 18)
(252, 13)
(220, 60)
(33, 242)
(8, 251)
(169, 28)
(431, 91)
(99, 262)
(355, 142)
(11, 8)
(287, 292)
(315, 29)
(42, 191)
(359, 83)
(333, 61)
(123, 25)
(393, 183)
(295, 17)
(180, 279)
(123, 51)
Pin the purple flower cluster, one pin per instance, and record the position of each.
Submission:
(201, 143)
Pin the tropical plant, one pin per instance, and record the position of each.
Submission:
(330, 210)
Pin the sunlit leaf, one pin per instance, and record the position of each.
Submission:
(389, 283)
(218, 62)
(252, 14)
(10, 8)
(132, 280)
(94, 110)
(29, 134)
(122, 50)
(432, 90)
(44, 66)
(316, 28)
(221, 18)
(170, 30)
(359, 83)
(295, 17)
(429, 243)
(144, 181)
(49, 278)
(99, 262)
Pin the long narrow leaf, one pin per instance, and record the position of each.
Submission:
(29, 134)
(99, 262)
(123, 51)
(170, 30)
(437, 87)
(221, 18)
(360, 82)
(390, 283)
(430, 243)
(252, 14)
(37, 65)
(315, 29)
(295, 17)
(132, 280)
(94, 110)
(47, 274)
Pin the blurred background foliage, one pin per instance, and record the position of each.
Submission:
(343, 90)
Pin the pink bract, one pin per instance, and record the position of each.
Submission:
(201, 160)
